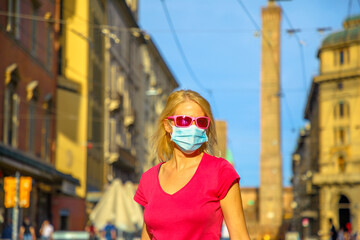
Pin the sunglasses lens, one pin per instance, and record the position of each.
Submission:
(202, 122)
(183, 121)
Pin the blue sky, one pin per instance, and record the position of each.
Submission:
(221, 46)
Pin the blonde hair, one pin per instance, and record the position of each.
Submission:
(161, 139)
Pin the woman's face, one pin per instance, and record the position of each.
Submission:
(188, 108)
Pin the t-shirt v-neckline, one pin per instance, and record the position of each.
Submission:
(185, 186)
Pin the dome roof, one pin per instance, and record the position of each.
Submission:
(351, 33)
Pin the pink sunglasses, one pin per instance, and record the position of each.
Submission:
(186, 121)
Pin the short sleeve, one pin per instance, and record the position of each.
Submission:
(140, 197)
(227, 176)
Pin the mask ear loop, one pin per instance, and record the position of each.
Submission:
(172, 127)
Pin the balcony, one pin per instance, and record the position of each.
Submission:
(335, 179)
(123, 159)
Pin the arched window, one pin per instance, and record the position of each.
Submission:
(341, 56)
(341, 135)
(341, 110)
(341, 163)
(11, 106)
(344, 211)
(32, 90)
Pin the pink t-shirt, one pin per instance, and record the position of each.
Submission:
(193, 212)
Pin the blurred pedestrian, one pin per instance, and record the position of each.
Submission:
(109, 231)
(90, 228)
(27, 231)
(333, 232)
(349, 228)
(340, 235)
(7, 231)
(46, 230)
(190, 192)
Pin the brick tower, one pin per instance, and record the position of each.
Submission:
(270, 197)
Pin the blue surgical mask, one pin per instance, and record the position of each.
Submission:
(188, 139)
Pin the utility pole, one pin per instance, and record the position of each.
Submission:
(15, 216)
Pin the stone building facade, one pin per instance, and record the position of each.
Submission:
(251, 205)
(305, 219)
(138, 83)
(333, 170)
(159, 83)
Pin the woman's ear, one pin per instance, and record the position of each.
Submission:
(167, 126)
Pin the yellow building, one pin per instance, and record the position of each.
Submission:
(72, 92)
(336, 95)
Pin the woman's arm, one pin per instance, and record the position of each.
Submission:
(22, 230)
(32, 231)
(232, 209)
(145, 235)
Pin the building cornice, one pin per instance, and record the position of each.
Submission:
(336, 179)
(337, 75)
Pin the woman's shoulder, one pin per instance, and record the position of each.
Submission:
(214, 161)
(152, 171)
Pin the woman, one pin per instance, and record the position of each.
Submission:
(46, 230)
(189, 193)
(27, 231)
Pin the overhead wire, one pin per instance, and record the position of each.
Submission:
(183, 56)
(280, 94)
(287, 19)
(133, 29)
(116, 27)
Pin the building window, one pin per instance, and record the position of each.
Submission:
(11, 106)
(34, 29)
(341, 135)
(341, 56)
(341, 163)
(46, 136)
(31, 126)
(46, 131)
(32, 96)
(340, 85)
(341, 110)
(112, 135)
(13, 20)
(11, 113)
(64, 219)
(49, 49)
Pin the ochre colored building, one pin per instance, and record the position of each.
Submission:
(251, 204)
(337, 90)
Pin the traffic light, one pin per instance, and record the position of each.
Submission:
(10, 191)
(25, 189)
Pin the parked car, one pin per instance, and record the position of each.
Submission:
(73, 235)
